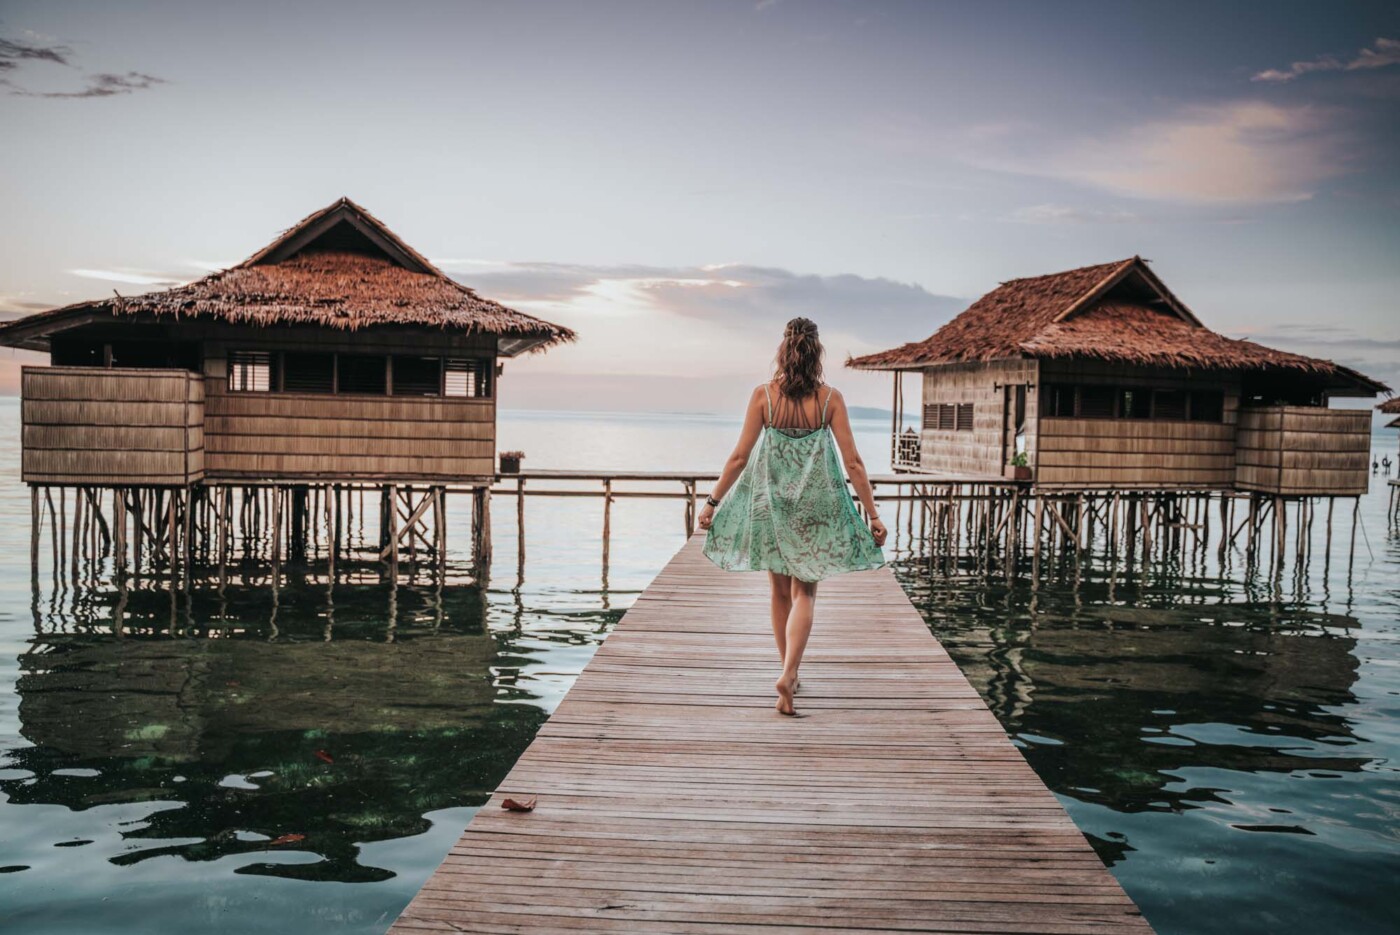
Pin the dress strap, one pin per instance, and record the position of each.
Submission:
(769, 397)
(829, 391)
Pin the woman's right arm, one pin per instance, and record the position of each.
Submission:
(748, 436)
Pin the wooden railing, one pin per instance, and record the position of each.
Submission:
(905, 449)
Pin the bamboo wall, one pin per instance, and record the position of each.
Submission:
(112, 427)
(1303, 450)
(1136, 453)
(986, 449)
(288, 436)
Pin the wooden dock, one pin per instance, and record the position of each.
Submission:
(673, 798)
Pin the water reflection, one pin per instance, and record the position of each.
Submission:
(309, 719)
(1141, 696)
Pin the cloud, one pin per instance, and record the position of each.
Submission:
(1383, 53)
(103, 85)
(1236, 152)
(730, 294)
(12, 53)
(640, 326)
(134, 277)
(13, 306)
(1068, 214)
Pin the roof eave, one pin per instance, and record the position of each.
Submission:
(32, 333)
(513, 345)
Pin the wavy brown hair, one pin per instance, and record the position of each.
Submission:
(799, 361)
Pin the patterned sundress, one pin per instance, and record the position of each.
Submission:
(790, 511)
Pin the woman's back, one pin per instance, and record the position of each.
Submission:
(790, 415)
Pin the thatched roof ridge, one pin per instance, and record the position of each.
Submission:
(339, 267)
(342, 210)
(1117, 311)
(997, 324)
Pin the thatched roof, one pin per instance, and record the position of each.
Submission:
(1119, 312)
(338, 268)
(1390, 405)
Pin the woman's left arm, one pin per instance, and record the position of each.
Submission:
(855, 467)
(748, 436)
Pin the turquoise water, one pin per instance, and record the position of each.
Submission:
(243, 763)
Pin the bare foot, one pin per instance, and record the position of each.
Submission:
(797, 686)
(785, 690)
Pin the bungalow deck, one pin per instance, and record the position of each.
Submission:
(673, 798)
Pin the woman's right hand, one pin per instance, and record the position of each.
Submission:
(878, 530)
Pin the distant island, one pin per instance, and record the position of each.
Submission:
(868, 412)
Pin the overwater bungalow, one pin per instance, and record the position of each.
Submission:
(1099, 378)
(335, 355)
(1389, 407)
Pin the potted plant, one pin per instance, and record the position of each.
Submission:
(1021, 466)
(510, 461)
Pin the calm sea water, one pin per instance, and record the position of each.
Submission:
(244, 762)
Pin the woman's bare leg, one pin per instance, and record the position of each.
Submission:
(799, 628)
(780, 604)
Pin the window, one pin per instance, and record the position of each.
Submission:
(467, 376)
(1088, 401)
(308, 372)
(417, 376)
(1134, 403)
(365, 374)
(1207, 406)
(359, 374)
(1057, 400)
(250, 371)
(948, 417)
(1169, 404)
(1097, 402)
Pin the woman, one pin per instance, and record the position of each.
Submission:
(789, 512)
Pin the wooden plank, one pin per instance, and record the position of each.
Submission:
(673, 797)
(263, 466)
(462, 427)
(353, 446)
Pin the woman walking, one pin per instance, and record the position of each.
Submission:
(781, 504)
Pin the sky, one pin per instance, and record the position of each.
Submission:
(675, 180)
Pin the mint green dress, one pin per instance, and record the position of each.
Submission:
(790, 511)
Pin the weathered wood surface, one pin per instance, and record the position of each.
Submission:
(1304, 451)
(112, 426)
(673, 798)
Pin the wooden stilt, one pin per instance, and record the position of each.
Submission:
(520, 525)
(34, 529)
(1035, 554)
(393, 532)
(607, 524)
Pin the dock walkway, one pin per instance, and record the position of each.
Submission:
(673, 798)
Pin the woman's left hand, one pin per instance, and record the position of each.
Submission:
(707, 516)
(878, 530)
